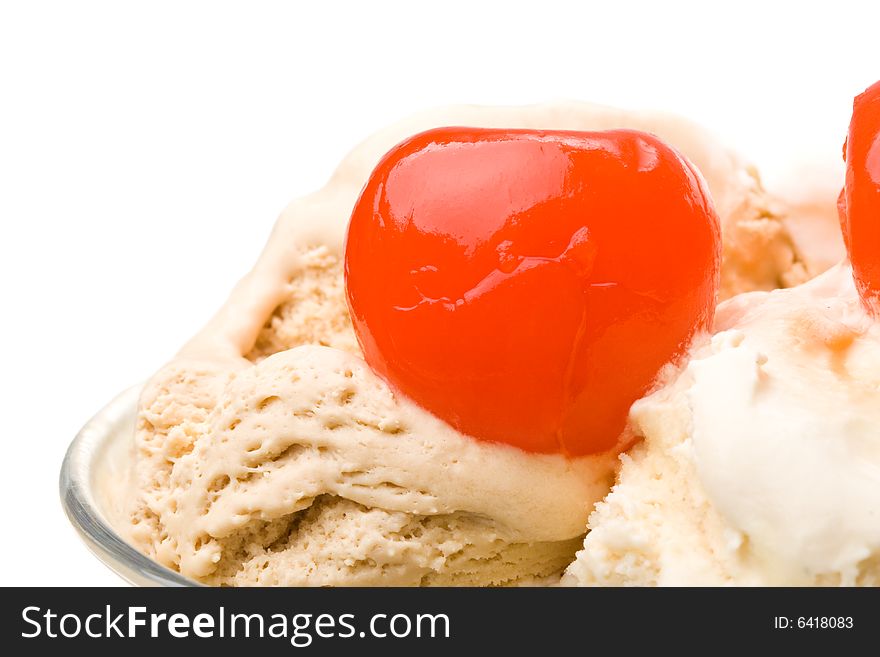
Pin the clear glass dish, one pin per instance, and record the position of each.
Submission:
(93, 460)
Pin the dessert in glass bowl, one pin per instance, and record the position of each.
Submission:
(427, 377)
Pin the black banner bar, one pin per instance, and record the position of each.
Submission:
(435, 621)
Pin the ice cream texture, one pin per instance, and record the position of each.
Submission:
(267, 452)
(761, 459)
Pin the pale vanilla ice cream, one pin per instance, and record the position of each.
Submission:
(267, 452)
(761, 460)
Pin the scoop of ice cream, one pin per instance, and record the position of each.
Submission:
(267, 453)
(310, 471)
(808, 193)
(761, 460)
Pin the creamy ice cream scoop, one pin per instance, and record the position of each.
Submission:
(310, 471)
(268, 453)
(761, 459)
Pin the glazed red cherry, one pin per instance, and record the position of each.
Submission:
(859, 203)
(527, 286)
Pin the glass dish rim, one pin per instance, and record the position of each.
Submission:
(83, 511)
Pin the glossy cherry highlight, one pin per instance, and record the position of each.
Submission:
(859, 202)
(526, 287)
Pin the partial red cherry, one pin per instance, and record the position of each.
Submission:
(526, 286)
(859, 202)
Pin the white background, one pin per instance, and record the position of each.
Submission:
(146, 148)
